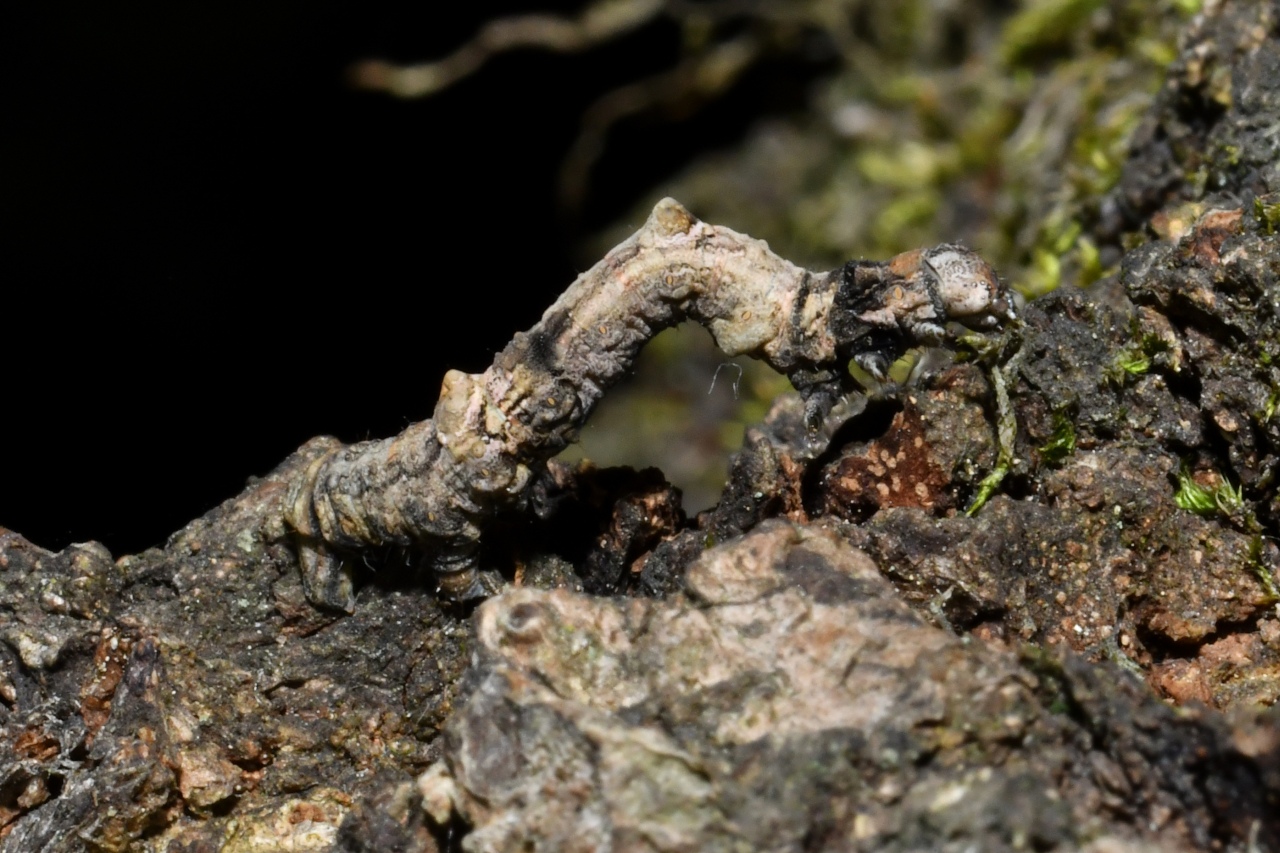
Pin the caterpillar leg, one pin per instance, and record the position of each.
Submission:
(326, 576)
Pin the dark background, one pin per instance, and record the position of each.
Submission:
(213, 248)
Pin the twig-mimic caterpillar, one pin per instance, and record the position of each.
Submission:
(436, 485)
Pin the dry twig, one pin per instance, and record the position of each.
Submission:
(714, 56)
(598, 23)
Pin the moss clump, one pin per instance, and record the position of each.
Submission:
(1044, 28)
(1205, 502)
(997, 127)
(1145, 351)
(1260, 570)
(1128, 363)
(1266, 210)
(1063, 441)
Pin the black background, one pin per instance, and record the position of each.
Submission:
(214, 248)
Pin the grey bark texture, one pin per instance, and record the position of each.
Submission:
(835, 657)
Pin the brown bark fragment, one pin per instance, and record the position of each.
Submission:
(897, 469)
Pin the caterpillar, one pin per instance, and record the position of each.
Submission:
(435, 486)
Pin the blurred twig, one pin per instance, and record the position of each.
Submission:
(598, 23)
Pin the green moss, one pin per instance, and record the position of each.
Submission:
(1091, 168)
(1267, 213)
(1226, 500)
(1129, 363)
(1043, 27)
(909, 213)
(1269, 408)
(1194, 497)
(1230, 500)
(987, 488)
(1044, 275)
(1006, 421)
(1134, 364)
(1260, 570)
(1090, 262)
(1063, 441)
(1144, 351)
(1007, 147)
(910, 165)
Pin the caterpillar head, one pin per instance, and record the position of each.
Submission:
(969, 288)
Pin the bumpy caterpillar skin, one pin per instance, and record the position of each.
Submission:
(434, 486)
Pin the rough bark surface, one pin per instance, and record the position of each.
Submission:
(790, 699)
(835, 657)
